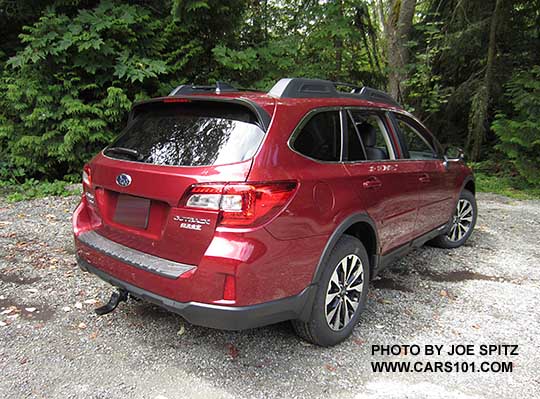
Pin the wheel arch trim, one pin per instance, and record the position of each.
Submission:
(336, 235)
(330, 244)
(468, 179)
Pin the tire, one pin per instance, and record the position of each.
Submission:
(349, 256)
(462, 223)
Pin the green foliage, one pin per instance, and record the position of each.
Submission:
(71, 69)
(461, 65)
(259, 67)
(336, 40)
(68, 89)
(32, 188)
(425, 90)
(500, 177)
(520, 134)
(507, 186)
(195, 29)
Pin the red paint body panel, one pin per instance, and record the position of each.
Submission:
(392, 206)
(279, 259)
(165, 186)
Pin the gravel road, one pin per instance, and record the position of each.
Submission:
(52, 345)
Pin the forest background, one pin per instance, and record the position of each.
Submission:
(71, 69)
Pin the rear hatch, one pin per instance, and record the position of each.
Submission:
(139, 181)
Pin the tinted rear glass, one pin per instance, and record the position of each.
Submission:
(320, 138)
(190, 134)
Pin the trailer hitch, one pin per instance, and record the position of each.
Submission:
(116, 297)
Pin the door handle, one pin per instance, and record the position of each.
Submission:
(372, 183)
(424, 178)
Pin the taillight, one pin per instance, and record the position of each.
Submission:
(86, 177)
(241, 204)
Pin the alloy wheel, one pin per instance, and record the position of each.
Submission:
(344, 292)
(462, 220)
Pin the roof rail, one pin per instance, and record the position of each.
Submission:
(218, 88)
(350, 85)
(317, 88)
(378, 96)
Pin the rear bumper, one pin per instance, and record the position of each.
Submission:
(216, 316)
(132, 257)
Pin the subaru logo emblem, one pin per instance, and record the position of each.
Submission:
(123, 180)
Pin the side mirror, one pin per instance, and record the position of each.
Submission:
(453, 153)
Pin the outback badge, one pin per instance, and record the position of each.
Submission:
(191, 223)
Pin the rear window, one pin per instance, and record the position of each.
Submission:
(189, 134)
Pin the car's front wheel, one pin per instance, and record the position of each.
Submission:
(341, 295)
(462, 223)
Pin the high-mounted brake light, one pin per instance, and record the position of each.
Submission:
(241, 204)
(176, 100)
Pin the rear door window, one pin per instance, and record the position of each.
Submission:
(320, 137)
(374, 136)
(189, 134)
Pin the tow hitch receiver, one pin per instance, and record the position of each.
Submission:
(116, 297)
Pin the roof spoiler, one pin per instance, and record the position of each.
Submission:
(218, 88)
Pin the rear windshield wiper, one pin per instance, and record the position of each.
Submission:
(125, 151)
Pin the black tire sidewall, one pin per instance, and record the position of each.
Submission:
(322, 333)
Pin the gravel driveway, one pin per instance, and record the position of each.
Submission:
(52, 345)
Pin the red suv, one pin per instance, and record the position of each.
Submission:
(239, 209)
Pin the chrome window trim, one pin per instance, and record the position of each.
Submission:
(342, 136)
(349, 115)
(305, 119)
(382, 110)
(433, 150)
(394, 113)
(386, 133)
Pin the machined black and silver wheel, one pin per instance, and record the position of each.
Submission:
(462, 223)
(344, 292)
(341, 294)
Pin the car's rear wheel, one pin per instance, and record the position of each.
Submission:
(462, 223)
(341, 295)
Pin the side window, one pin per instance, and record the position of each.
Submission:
(417, 145)
(373, 134)
(355, 150)
(320, 138)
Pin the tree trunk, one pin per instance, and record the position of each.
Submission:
(398, 30)
(382, 16)
(338, 45)
(480, 104)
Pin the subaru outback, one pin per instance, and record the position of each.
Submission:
(238, 209)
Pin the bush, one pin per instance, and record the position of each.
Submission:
(66, 93)
(520, 134)
(500, 177)
(32, 188)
